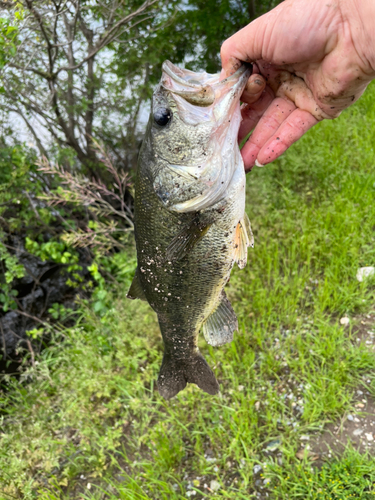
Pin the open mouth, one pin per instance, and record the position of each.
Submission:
(188, 85)
(201, 89)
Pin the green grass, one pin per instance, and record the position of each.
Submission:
(86, 422)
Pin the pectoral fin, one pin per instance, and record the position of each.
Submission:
(188, 173)
(243, 238)
(185, 241)
(219, 327)
(136, 290)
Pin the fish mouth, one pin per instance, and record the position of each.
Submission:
(201, 99)
(202, 89)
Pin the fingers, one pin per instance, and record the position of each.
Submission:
(255, 84)
(296, 124)
(287, 85)
(273, 117)
(292, 129)
(254, 88)
(295, 89)
(251, 113)
(279, 122)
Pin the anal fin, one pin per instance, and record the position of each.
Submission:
(136, 290)
(219, 326)
(242, 240)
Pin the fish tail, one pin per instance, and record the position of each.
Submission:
(175, 373)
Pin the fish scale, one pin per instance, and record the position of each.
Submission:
(185, 254)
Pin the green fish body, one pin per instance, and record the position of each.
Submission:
(190, 221)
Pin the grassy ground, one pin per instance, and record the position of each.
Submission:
(86, 422)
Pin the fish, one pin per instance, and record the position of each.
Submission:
(189, 217)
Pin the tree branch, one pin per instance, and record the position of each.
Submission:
(39, 19)
(31, 129)
(106, 38)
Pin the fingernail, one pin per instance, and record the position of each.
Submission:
(255, 86)
(258, 164)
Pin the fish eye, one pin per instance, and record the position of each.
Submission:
(162, 116)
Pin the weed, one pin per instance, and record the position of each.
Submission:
(89, 424)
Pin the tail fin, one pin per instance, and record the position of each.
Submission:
(175, 373)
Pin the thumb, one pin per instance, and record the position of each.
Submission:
(245, 45)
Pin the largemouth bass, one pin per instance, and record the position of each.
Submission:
(190, 221)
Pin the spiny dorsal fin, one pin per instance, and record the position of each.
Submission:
(243, 238)
(219, 326)
(136, 290)
(185, 241)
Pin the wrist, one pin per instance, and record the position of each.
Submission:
(360, 17)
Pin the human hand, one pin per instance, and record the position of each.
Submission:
(317, 57)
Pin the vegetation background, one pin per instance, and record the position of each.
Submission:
(79, 416)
